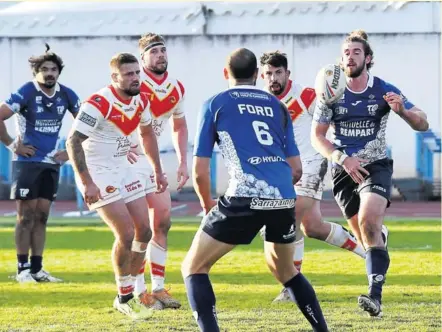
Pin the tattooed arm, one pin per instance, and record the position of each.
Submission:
(76, 155)
(85, 123)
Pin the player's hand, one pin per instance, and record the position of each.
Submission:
(209, 206)
(24, 150)
(61, 156)
(91, 193)
(352, 165)
(395, 101)
(182, 176)
(161, 182)
(132, 155)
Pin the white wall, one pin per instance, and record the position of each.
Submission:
(411, 62)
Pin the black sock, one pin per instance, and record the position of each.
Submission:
(125, 298)
(305, 298)
(36, 263)
(377, 262)
(202, 301)
(22, 263)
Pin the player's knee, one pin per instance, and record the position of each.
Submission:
(146, 234)
(126, 237)
(191, 266)
(310, 228)
(369, 226)
(42, 218)
(26, 220)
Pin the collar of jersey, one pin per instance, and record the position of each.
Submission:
(254, 87)
(369, 85)
(37, 86)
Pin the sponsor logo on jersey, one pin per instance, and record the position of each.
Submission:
(267, 159)
(341, 110)
(247, 94)
(60, 110)
(87, 119)
(272, 204)
(372, 109)
(48, 125)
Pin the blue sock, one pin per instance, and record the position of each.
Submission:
(202, 301)
(377, 262)
(305, 298)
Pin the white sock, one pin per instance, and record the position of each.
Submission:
(140, 283)
(298, 256)
(340, 237)
(156, 256)
(125, 284)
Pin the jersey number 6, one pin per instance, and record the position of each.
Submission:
(261, 132)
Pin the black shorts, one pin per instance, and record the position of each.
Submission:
(32, 180)
(237, 220)
(346, 191)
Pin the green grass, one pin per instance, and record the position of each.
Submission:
(80, 254)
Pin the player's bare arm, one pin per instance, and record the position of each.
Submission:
(296, 165)
(78, 159)
(15, 145)
(201, 182)
(415, 117)
(352, 165)
(180, 140)
(150, 146)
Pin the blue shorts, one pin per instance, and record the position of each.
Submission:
(32, 180)
(237, 220)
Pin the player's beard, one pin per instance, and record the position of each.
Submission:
(159, 71)
(132, 91)
(277, 88)
(50, 85)
(354, 72)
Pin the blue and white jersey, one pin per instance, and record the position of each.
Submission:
(39, 117)
(359, 120)
(255, 135)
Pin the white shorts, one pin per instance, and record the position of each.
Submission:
(115, 184)
(311, 183)
(145, 173)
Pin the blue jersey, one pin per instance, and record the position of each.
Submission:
(39, 117)
(255, 135)
(359, 120)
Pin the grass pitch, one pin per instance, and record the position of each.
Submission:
(78, 251)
